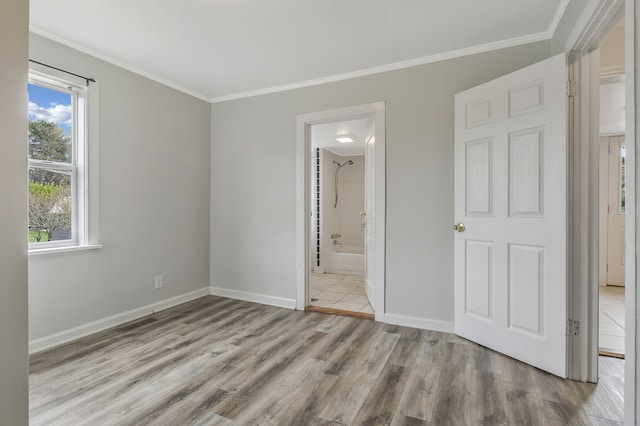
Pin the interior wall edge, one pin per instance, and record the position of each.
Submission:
(14, 362)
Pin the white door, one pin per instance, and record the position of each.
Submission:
(368, 219)
(616, 209)
(511, 196)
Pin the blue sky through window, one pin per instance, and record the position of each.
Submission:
(50, 105)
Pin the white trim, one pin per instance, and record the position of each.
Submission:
(380, 206)
(631, 382)
(68, 335)
(421, 323)
(583, 208)
(91, 177)
(112, 61)
(557, 17)
(593, 25)
(303, 262)
(597, 19)
(280, 302)
(67, 249)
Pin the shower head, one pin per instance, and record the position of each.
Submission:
(348, 163)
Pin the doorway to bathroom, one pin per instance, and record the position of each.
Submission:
(337, 276)
(341, 235)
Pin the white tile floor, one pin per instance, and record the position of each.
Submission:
(337, 291)
(612, 319)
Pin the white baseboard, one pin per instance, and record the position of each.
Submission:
(346, 271)
(264, 299)
(422, 323)
(65, 336)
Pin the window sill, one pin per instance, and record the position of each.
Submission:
(52, 250)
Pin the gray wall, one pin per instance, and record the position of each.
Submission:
(253, 146)
(154, 202)
(14, 27)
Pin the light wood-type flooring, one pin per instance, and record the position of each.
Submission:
(222, 361)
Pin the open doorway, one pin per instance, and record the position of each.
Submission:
(361, 244)
(338, 198)
(612, 158)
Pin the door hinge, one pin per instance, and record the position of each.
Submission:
(573, 328)
(572, 88)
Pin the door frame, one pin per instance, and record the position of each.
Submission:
(596, 22)
(376, 111)
(598, 18)
(604, 202)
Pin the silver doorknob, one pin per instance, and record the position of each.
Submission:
(459, 227)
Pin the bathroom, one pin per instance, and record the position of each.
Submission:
(343, 236)
(338, 213)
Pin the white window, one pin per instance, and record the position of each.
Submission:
(62, 157)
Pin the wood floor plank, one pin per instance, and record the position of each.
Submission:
(275, 403)
(144, 388)
(405, 352)
(347, 350)
(268, 375)
(453, 398)
(79, 384)
(180, 404)
(347, 398)
(382, 401)
(309, 401)
(419, 396)
(488, 404)
(221, 361)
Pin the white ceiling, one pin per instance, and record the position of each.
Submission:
(223, 49)
(324, 136)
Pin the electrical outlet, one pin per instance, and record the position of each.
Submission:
(159, 282)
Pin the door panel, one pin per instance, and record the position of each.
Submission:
(510, 194)
(526, 284)
(478, 191)
(478, 285)
(526, 172)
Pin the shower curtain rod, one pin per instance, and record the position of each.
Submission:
(86, 79)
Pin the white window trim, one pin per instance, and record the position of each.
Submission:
(86, 158)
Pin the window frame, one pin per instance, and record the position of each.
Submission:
(83, 168)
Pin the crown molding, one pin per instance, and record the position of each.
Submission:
(482, 48)
(452, 54)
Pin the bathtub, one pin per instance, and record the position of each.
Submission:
(345, 260)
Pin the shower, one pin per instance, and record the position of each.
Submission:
(348, 163)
